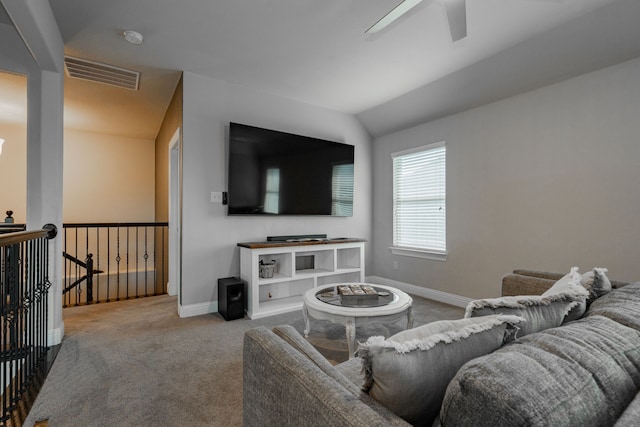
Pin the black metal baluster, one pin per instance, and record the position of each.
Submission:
(20, 318)
(108, 264)
(67, 267)
(37, 332)
(118, 264)
(29, 310)
(45, 289)
(155, 267)
(127, 262)
(89, 269)
(165, 266)
(146, 262)
(98, 264)
(137, 266)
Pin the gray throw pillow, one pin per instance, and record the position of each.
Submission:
(539, 312)
(409, 372)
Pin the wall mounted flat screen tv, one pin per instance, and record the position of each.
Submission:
(278, 173)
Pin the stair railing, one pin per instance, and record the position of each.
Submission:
(114, 261)
(24, 289)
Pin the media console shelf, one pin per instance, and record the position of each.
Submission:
(300, 266)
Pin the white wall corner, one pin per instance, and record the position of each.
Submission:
(197, 309)
(433, 294)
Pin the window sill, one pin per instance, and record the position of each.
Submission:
(418, 253)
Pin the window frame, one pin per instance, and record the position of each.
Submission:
(418, 252)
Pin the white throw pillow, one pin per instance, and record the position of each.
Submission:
(596, 282)
(539, 312)
(571, 284)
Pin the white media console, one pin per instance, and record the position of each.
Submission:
(300, 266)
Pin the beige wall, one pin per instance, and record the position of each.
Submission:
(172, 121)
(13, 171)
(108, 178)
(544, 180)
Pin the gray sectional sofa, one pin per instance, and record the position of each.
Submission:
(585, 372)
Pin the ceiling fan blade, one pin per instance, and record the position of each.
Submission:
(457, 16)
(394, 14)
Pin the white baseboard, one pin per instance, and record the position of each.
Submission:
(445, 297)
(197, 309)
(54, 336)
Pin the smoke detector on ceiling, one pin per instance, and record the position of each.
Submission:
(133, 37)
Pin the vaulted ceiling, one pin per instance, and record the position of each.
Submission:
(317, 52)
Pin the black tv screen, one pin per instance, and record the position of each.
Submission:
(278, 173)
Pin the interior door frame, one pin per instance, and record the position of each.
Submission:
(174, 287)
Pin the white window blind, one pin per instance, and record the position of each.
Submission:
(419, 199)
(342, 190)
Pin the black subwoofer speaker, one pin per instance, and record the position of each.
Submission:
(231, 298)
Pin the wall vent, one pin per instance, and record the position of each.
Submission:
(101, 73)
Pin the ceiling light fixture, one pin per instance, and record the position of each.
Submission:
(456, 15)
(133, 37)
(394, 14)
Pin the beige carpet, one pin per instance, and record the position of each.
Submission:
(136, 363)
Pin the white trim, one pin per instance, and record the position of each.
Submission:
(174, 210)
(173, 159)
(197, 309)
(54, 336)
(419, 253)
(418, 149)
(445, 297)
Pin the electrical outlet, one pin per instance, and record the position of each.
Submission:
(216, 197)
(395, 265)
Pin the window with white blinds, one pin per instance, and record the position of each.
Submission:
(419, 201)
(342, 190)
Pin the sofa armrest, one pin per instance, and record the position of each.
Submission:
(518, 284)
(281, 386)
(555, 277)
(539, 274)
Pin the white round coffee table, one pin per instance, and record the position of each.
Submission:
(398, 305)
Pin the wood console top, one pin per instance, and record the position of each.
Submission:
(261, 245)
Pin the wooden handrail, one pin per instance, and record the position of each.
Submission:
(23, 236)
(48, 230)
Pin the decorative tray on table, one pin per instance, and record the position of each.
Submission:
(352, 294)
(355, 295)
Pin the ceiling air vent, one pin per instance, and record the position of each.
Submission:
(101, 73)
